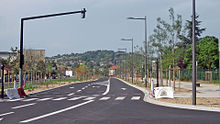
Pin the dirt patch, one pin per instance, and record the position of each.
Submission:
(208, 102)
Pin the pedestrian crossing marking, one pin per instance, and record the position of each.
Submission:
(120, 98)
(104, 98)
(135, 98)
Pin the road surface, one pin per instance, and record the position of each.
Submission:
(105, 101)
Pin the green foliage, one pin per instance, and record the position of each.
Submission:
(206, 54)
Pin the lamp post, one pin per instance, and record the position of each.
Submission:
(132, 70)
(145, 45)
(21, 37)
(125, 65)
(193, 55)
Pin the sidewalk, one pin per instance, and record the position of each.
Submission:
(178, 104)
(205, 90)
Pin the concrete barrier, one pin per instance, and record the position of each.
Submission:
(163, 92)
(12, 93)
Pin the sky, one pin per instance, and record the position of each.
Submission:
(102, 29)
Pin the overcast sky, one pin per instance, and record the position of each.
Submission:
(105, 23)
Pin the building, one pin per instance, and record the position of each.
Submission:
(112, 70)
(69, 72)
(4, 54)
(34, 55)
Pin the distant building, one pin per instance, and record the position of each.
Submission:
(34, 55)
(112, 70)
(4, 55)
(69, 71)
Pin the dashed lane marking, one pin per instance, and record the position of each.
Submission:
(120, 98)
(56, 112)
(76, 98)
(61, 98)
(89, 98)
(22, 106)
(31, 99)
(104, 98)
(44, 99)
(78, 90)
(70, 94)
(6, 114)
(71, 87)
(135, 98)
(13, 100)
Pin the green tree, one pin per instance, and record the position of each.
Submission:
(206, 54)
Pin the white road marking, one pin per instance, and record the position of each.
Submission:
(6, 114)
(61, 98)
(78, 90)
(76, 98)
(135, 98)
(71, 87)
(123, 88)
(104, 98)
(86, 86)
(96, 95)
(70, 94)
(44, 99)
(13, 100)
(83, 88)
(26, 100)
(89, 98)
(22, 106)
(56, 112)
(107, 89)
(120, 98)
(1, 119)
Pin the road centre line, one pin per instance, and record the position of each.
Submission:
(22, 106)
(89, 98)
(120, 98)
(56, 112)
(104, 98)
(76, 98)
(6, 114)
(78, 90)
(135, 98)
(44, 99)
(107, 89)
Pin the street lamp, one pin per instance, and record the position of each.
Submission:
(132, 70)
(193, 55)
(145, 45)
(21, 37)
(125, 65)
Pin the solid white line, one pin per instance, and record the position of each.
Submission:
(120, 98)
(22, 106)
(44, 99)
(61, 98)
(135, 98)
(6, 114)
(104, 98)
(56, 112)
(89, 98)
(107, 89)
(70, 94)
(26, 100)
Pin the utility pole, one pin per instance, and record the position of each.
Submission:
(193, 55)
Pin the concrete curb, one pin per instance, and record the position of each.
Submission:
(172, 105)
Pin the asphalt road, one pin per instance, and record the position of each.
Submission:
(98, 102)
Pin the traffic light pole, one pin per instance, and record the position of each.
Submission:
(21, 37)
